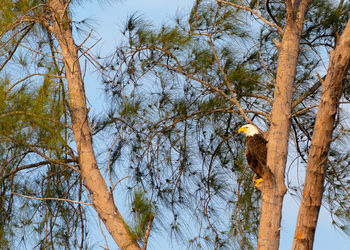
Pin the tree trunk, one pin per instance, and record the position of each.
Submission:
(59, 24)
(273, 188)
(320, 143)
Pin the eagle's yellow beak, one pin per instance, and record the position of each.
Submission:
(241, 129)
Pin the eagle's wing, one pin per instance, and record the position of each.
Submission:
(256, 154)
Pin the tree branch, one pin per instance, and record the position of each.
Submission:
(279, 29)
(307, 93)
(41, 163)
(29, 76)
(303, 110)
(19, 112)
(54, 199)
(270, 13)
(29, 27)
(228, 84)
(148, 230)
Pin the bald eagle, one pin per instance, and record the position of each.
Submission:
(255, 151)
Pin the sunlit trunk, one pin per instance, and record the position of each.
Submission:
(320, 144)
(273, 188)
(101, 197)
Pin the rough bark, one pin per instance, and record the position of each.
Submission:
(273, 188)
(320, 143)
(59, 23)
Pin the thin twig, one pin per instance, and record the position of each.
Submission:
(336, 176)
(260, 56)
(29, 76)
(279, 29)
(228, 84)
(39, 52)
(16, 46)
(104, 236)
(41, 163)
(33, 149)
(306, 94)
(109, 157)
(303, 110)
(55, 199)
(113, 187)
(19, 112)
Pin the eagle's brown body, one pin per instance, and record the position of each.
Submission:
(256, 153)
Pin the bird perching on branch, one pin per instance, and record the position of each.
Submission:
(256, 152)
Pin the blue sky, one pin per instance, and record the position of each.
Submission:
(108, 20)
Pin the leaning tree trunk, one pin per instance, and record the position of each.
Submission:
(273, 188)
(59, 23)
(317, 161)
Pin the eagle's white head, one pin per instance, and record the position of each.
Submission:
(249, 130)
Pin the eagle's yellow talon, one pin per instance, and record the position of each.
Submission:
(257, 182)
